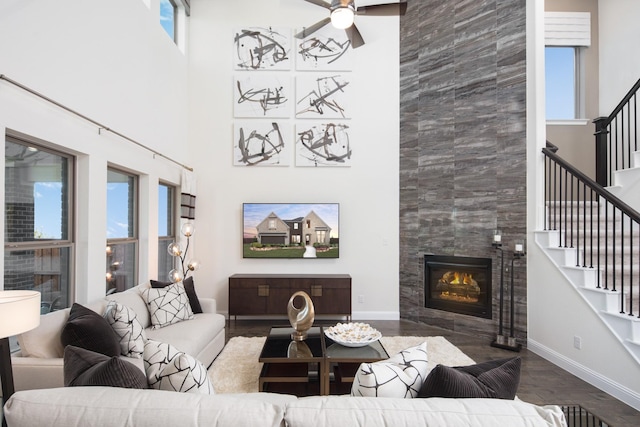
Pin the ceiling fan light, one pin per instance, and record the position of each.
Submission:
(342, 17)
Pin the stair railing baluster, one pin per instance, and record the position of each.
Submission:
(547, 203)
(606, 243)
(613, 254)
(566, 193)
(591, 230)
(554, 198)
(622, 220)
(599, 273)
(584, 226)
(635, 123)
(631, 309)
(628, 164)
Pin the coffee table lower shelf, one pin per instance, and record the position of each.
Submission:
(300, 379)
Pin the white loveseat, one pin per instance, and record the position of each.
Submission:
(109, 407)
(39, 364)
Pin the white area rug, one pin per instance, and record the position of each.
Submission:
(236, 369)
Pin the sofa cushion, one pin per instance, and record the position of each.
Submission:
(171, 369)
(326, 411)
(167, 305)
(189, 287)
(100, 406)
(191, 336)
(87, 329)
(399, 376)
(44, 341)
(493, 379)
(87, 368)
(125, 324)
(132, 298)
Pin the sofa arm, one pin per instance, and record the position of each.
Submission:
(208, 305)
(34, 372)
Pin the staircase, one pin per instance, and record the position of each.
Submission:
(593, 237)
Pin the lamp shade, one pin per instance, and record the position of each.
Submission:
(19, 312)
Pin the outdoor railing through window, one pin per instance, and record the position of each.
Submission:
(603, 229)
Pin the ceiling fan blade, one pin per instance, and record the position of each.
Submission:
(387, 9)
(320, 3)
(312, 29)
(354, 36)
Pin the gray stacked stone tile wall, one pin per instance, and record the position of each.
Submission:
(462, 146)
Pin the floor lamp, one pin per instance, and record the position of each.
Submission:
(19, 312)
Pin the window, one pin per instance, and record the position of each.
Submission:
(561, 83)
(166, 229)
(321, 235)
(168, 14)
(566, 37)
(272, 224)
(38, 251)
(122, 243)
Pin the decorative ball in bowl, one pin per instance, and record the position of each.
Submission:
(352, 334)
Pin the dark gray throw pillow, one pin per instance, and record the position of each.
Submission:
(87, 329)
(498, 379)
(189, 287)
(88, 368)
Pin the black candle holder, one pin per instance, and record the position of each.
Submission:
(502, 341)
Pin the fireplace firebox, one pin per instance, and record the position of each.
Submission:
(458, 284)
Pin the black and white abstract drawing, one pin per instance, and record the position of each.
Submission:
(261, 143)
(257, 48)
(261, 95)
(323, 96)
(320, 144)
(327, 49)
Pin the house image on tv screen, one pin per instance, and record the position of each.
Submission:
(307, 230)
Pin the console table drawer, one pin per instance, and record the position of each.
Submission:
(254, 295)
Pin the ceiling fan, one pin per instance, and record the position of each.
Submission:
(343, 12)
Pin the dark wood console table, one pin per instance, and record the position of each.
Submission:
(268, 294)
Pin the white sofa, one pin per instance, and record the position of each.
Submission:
(40, 365)
(109, 407)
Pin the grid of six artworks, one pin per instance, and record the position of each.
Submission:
(278, 106)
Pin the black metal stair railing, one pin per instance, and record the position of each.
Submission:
(617, 138)
(603, 229)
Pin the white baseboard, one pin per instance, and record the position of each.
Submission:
(375, 315)
(596, 379)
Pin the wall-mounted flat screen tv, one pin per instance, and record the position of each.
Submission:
(291, 230)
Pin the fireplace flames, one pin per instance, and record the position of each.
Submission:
(457, 286)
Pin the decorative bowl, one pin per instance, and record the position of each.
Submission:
(352, 334)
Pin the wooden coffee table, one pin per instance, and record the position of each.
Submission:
(314, 366)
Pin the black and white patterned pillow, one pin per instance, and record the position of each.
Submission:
(399, 376)
(170, 369)
(127, 327)
(167, 305)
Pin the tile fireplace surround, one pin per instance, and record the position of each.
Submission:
(462, 148)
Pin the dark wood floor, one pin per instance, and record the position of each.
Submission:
(541, 381)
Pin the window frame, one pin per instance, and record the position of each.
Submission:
(165, 241)
(134, 237)
(175, 8)
(70, 202)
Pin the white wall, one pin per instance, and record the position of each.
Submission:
(619, 50)
(367, 191)
(556, 311)
(111, 61)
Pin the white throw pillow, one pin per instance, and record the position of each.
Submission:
(125, 324)
(399, 376)
(167, 305)
(170, 369)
